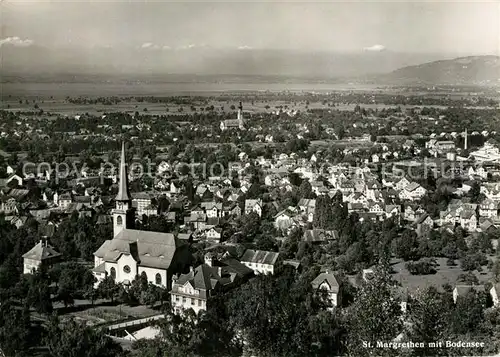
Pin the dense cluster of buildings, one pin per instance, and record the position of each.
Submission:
(165, 258)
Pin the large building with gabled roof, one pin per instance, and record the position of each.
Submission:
(40, 254)
(194, 289)
(134, 252)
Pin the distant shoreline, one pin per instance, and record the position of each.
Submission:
(96, 89)
(168, 89)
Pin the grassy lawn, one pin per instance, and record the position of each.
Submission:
(445, 274)
(103, 314)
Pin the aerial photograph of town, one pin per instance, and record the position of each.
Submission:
(249, 179)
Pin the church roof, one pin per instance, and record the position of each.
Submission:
(123, 192)
(151, 249)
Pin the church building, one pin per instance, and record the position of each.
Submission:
(132, 252)
(234, 123)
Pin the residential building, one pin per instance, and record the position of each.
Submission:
(40, 254)
(468, 220)
(141, 201)
(214, 234)
(412, 192)
(253, 205)
(212, 209)
(260, 261)
(319, 235)
(284, 220)
(328, 282)
(192, 290)
(488, 208)
(64, 200)
(423, 224)
(231, 208)
(401, 184)
(9, 206)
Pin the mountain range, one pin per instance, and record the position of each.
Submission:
(463, 70)
(37, 63)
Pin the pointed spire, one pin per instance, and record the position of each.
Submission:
(123, 193)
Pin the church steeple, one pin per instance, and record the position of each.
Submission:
(123, 192)
(123, 214)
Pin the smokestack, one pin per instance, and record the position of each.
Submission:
(465, 144)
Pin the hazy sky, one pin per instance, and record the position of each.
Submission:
(438, 27)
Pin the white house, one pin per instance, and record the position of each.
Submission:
(260, 261)
(468, 220)
(253, 205)
(214, 234)
(284, 220)
(412, 192)
(488, 208)
(401, 184)
(42, 253)
(192, 290)
(329, 283)
(212, 209)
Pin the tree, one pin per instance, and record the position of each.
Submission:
(375, 314)
(295, 179)
(423, 267)
(251, 226)
(468, 279)
(189, 334)
(406, 246)
(429, 315)
(74, 339)
(284, 305)
(291, 245)
(305, 190)
(323, 213)
(73, 281)
(108, 289)
(14, 329)
(475, 192)
(468, 313)
(39, 293)
(496, 271)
